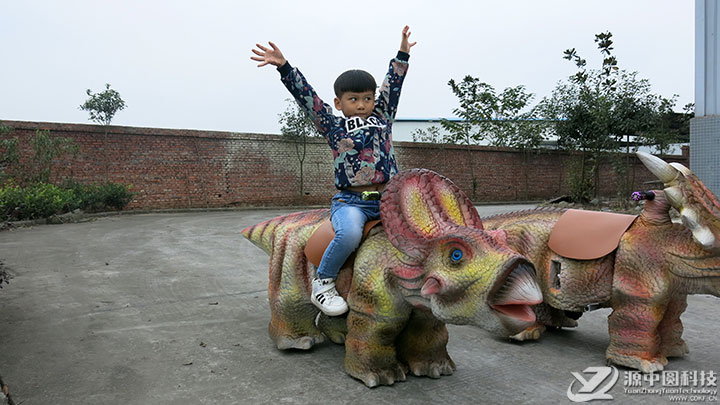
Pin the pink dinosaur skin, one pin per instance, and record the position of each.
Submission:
(429, 264)
(645, 281)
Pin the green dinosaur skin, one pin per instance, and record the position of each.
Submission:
(645, 281)
(402, 286)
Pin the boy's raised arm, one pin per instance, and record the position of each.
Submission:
(294, 81)
(268, 56)
(387, 101)
(405, 43)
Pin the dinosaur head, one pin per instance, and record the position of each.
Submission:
(698, 207)
(467, 275)
(473, 279)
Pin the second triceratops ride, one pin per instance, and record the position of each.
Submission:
(430, 263)
(642, 267)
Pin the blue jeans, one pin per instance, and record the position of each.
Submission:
(348, 214)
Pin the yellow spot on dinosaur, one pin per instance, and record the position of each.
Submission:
(452, 208)
(419, 212)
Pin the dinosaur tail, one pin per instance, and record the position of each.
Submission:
(263, 235)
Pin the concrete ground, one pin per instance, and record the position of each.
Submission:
(172, 309)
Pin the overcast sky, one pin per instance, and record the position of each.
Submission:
(186, 64)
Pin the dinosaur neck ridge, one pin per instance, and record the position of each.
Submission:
(706, 197)
(524, 213)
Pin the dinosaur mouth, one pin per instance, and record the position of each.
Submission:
(512, 296)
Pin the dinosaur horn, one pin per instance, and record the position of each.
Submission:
(662, 170)
(698, 207)
(419, 205)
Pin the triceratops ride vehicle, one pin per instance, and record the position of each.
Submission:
(643, 267)
(430, 263)
(434, 261)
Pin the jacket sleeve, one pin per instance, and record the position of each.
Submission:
(387, 101)
(320, 113)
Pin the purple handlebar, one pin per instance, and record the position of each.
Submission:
(643, 195)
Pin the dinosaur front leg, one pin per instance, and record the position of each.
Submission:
(378, 313)
(422, 345)
(292, 315)
(671, 329)
(370, 349)
(641, 293)
(546, 316)
(634, 337)
(292, 324)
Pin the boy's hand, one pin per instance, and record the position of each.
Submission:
(405, 44)
(268, 56)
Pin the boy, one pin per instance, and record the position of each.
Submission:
(362, 147)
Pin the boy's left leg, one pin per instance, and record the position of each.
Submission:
(348, 222)
(349, 214)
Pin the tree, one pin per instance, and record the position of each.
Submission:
(297, 127)
(597, 112)
(37, 168)
(103, 106)
(582, 109)
(669, 126)
(504, 119)
(45, 148)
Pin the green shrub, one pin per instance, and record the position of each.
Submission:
(98, 197)
(86, 196)
(35, 201)
(115, 195)
(41, 200)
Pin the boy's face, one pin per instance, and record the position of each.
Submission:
(354, 104)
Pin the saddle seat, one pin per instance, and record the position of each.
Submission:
(587, 235)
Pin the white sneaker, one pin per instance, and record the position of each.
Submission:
(325, 296)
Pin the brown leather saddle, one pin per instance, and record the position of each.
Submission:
(323, 235)
(586, 235)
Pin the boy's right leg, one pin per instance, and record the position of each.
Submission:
(348, 222)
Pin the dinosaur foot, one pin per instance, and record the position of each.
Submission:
(531, 333)
(385, 376)
(432, 368)
(302, 343)
(334, 327)
(645, 365)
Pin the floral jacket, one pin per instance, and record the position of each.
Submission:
(362, 149)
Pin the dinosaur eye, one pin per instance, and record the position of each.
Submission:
(456, 255)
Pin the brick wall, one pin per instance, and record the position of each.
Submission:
(174, 168)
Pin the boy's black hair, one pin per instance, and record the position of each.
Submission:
(355, 80)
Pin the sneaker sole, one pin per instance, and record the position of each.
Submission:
(330, 313)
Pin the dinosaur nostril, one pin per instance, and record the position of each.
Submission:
(430, 287)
